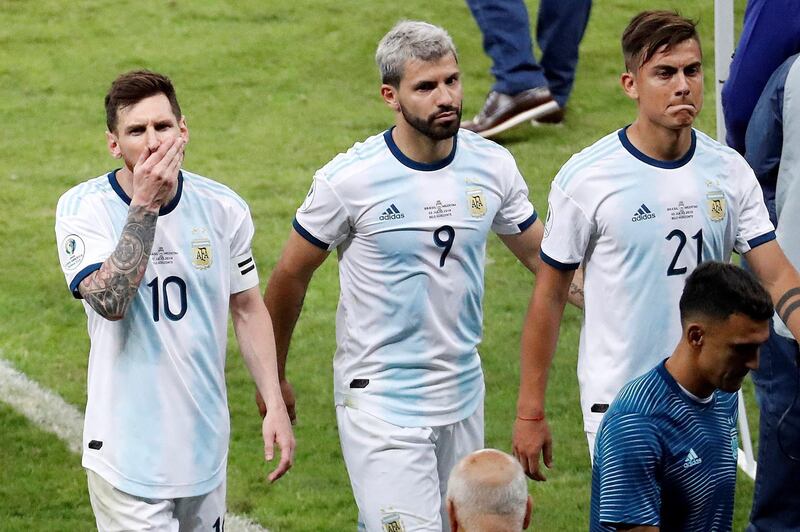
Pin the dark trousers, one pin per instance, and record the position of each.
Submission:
(507, 40)
(776, 498)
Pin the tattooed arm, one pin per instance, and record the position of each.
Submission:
(526, 246)
(110, 290)
(781, 281)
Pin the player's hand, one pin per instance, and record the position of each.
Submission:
(532, 438)
(277, 429)
(288, 399)
(155, 174)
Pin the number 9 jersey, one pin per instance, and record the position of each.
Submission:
(411, 241)
(157, 421)
(639, 226)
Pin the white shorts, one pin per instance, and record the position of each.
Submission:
(115, 510)
(399, 474)
(591, 437)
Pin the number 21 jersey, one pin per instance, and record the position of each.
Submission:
(640, 226)
(411, 241)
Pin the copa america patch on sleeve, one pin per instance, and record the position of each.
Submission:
(72, 252)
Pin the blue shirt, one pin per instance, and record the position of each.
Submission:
(665, 459)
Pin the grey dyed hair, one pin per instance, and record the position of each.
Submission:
(411, 39)
(473, 498)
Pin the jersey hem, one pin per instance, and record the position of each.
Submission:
(409, 420)
(80, 276)
(153, 491)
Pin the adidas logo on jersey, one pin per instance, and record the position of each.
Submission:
(392, 213)
(692, 459)
(643, 214)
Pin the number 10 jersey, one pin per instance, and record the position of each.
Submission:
(640, 226)
(157, 421)
(411, 240)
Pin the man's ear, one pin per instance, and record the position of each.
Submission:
(451, 516)
(113, 145)
(389, 95)
(184, 128)
(695, 335)
(628, 82)
(528, 511)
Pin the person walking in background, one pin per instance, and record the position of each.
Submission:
(773, 150)
(524, 89)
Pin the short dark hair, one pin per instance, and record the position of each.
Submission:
(132, 87)
(719, 289)
(648, 31)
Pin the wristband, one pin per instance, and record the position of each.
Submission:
(537, 418)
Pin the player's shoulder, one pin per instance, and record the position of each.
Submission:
(211, 190)
(643, 395)
(471, 142)
(707, 147)
(590, 161)
(70, 203)
(357, 160)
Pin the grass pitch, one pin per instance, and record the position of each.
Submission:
(272, 91)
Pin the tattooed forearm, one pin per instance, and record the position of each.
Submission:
(788, 303)
(576, 295)
(110, 290)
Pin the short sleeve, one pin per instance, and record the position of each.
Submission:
(627, 459)
(754, 227)
(567, 231)
(84, 242)
(322, 219)
(516, 212)
(243, 272)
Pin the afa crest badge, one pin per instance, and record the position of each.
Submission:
(477, 203)
(202, 257)
(716, 205)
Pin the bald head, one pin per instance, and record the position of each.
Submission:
(487, 490)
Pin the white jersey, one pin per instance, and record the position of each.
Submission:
(411, 240)
(157, 421)
(640, 226)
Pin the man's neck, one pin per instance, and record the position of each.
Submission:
(418, 147)
(658, 142)
(681, 365)
(493, 523)
(125, 180)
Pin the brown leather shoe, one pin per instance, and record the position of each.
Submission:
(554, 118)
(501, 111)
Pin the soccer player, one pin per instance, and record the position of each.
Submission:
(666, 450)
(408, 211)
(640, 209)
(158, 255)
(488, 492)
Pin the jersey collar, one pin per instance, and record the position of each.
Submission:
(414, 165)
(672, 383)
(165, 209)
(669, 165)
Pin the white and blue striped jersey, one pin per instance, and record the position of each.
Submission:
(411, 241)
(157, 421)
(665, 459)
(639, 226)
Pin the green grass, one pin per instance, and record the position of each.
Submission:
(272, 91)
